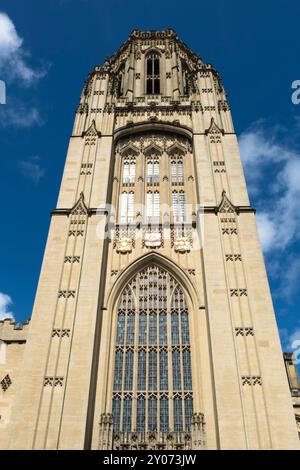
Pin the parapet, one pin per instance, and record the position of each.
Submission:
(13, 332)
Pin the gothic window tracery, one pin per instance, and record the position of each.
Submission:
(156, 160)
(151, 345)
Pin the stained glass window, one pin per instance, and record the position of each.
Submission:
(152, 344)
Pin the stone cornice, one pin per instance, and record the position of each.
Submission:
(103, 211)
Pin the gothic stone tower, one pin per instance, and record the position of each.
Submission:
(153, 325)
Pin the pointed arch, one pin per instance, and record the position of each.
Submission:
(176, 149)
(92, 130)
(161, 261)
(153, 148)
(152, 344)
(129, 149)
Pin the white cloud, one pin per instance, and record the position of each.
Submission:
(13, 56)
(18, 114)
(5, 303)
(272, 169)
(32, 169)
(294, 336)
(266, 230)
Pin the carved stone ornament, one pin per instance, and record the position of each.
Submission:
(182, 245)
(124, 245)
(153, 240)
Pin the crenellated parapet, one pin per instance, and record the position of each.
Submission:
(13, 332)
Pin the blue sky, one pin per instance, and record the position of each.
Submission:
(44, 62)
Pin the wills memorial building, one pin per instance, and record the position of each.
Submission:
(153, 325)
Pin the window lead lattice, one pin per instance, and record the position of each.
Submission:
(152, 344)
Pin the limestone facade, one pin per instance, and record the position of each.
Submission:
(153, 324)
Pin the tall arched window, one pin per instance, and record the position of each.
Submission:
(153, 73)
(178, 205)
(126, 207)
(152, 386)
(177, 170)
